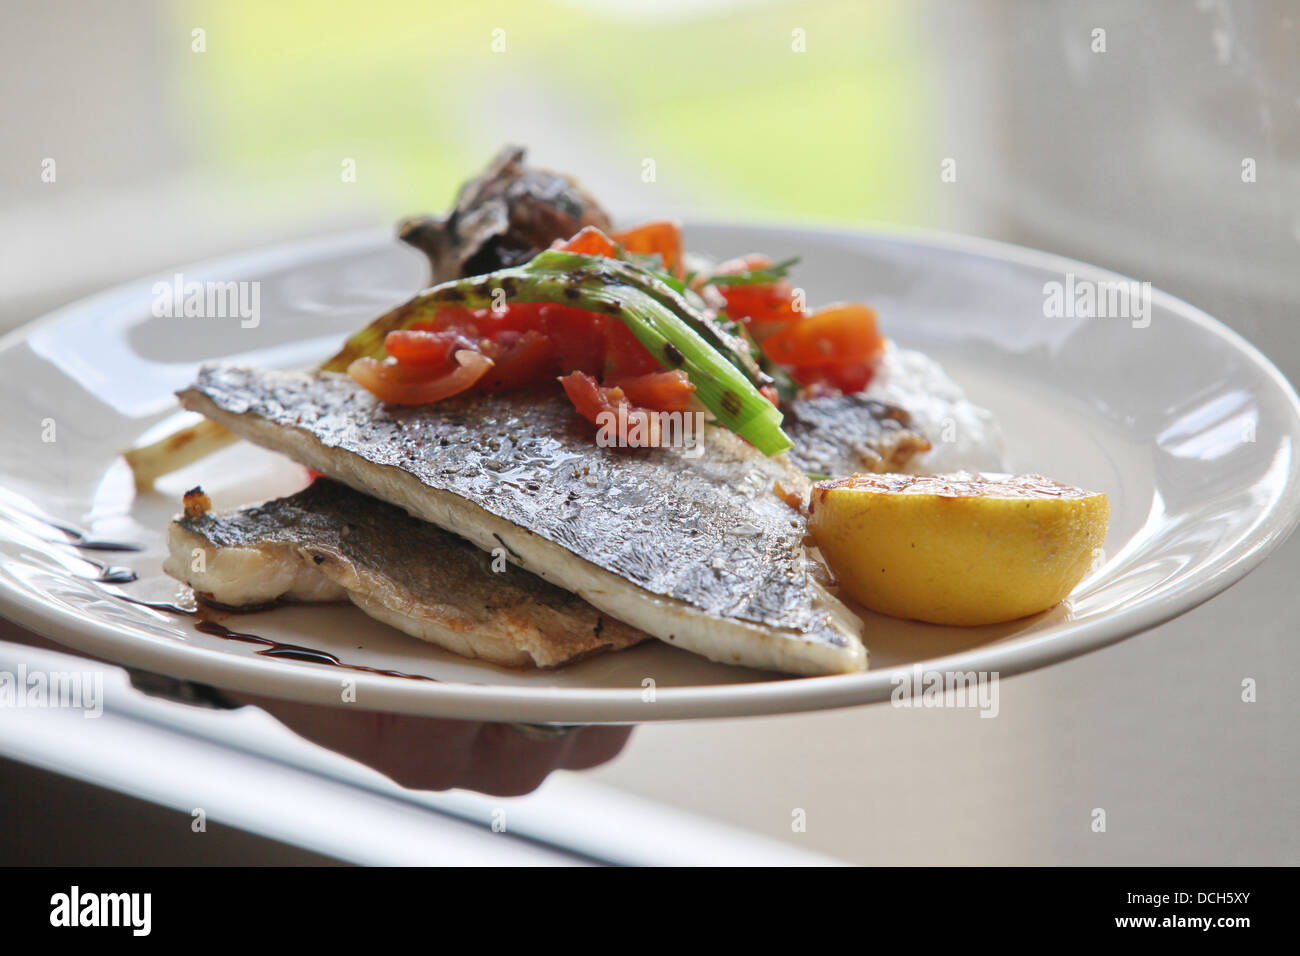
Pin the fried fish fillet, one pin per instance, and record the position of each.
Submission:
(695, 549)
(330, 543)
(842, 435)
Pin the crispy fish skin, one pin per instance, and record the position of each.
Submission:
(330, 543)
(845, 434)
(697, 551)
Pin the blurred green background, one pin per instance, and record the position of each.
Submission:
(184, 129)
(737, 118)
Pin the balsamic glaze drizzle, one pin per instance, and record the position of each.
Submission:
(107, 573)
(297, 652)
(78, 539)
(166, 607)
(111, 573)
(114, 574)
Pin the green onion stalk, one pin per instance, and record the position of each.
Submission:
(719, 364)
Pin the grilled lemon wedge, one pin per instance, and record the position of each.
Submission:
(961, 549)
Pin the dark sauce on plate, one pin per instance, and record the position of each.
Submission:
(79, 539)
(167, 607)
(114, 574)
(110, 573)
(296, 652)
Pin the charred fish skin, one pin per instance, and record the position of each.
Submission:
(698, 551)
(330, 543)
(840, 435)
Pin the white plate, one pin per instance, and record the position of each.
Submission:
(1189, 430)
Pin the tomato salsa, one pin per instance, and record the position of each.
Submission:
(598, 361)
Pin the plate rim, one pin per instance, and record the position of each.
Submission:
(783, 694)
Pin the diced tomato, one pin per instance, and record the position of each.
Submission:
(528, 343)
(832, 379)
(663, 391)
(528, 360)
(841, 334)
(401, 384)
(590, 241)
(452, 318)
(579, 337)
(662, 238)
(855, 377)
(515, 317)
(478, 323)
(764, 309)
(625, 356)
(416, 347)
(609, 410)
(589, 397)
